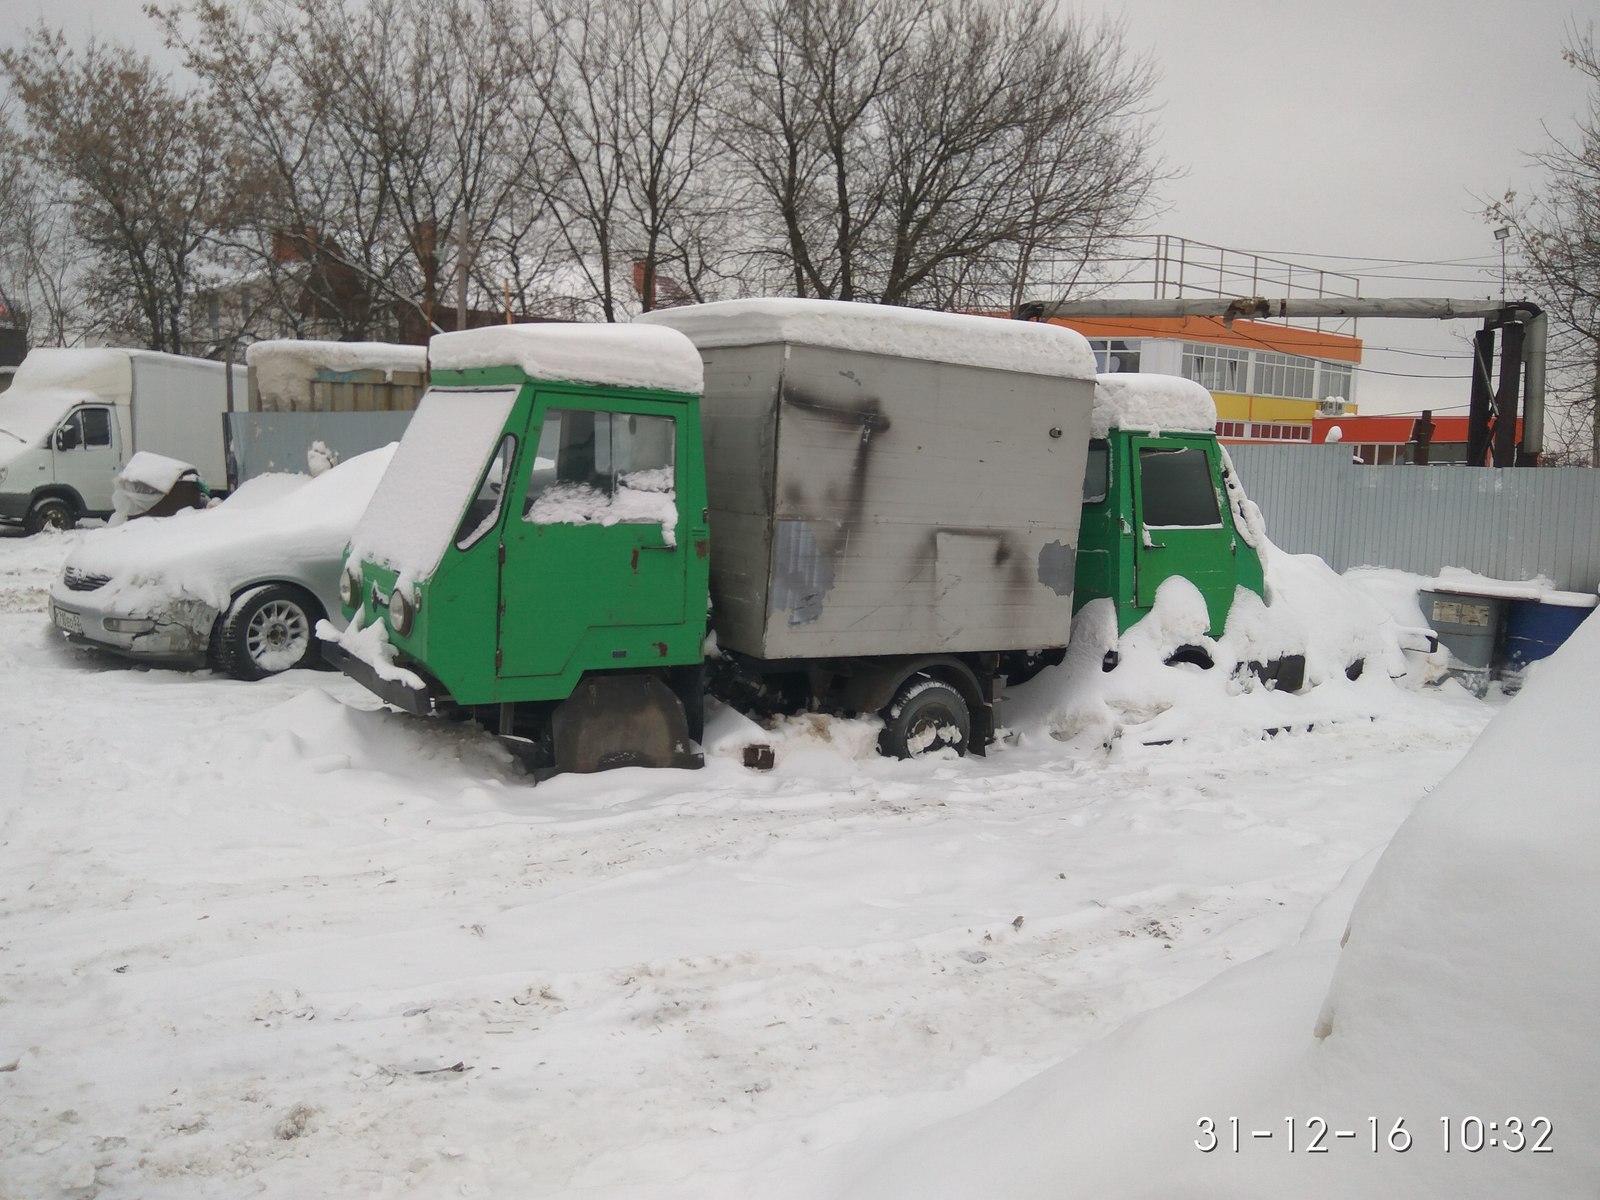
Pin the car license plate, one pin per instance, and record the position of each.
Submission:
(70, 622)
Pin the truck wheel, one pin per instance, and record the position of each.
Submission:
(267, 630)
(925, 716)
(50, 513)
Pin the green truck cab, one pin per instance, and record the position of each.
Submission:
(1160, 500)
(874, 510)
(537, 552)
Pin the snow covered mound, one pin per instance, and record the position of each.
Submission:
(1453, 1054)
(141, 484)
(1309, 610)
(269, 523)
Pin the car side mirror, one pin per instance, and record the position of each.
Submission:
(67, 437)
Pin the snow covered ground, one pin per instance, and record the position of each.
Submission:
(268, 939)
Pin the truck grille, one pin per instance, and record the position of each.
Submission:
(81, 581)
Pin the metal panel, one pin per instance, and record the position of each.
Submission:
(262, 442)
(1509, 524)
(177, 405)
(738, 426)
(922, 506)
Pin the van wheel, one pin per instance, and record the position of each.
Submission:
(267, 630)
(50, 513)
(925, 715)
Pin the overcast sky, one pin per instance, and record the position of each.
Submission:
(1362, 129)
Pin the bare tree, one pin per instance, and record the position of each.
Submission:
(141, 167)
(1557, 234)
(384, 185)
(632, 123)
(40, 257)
(928, 152)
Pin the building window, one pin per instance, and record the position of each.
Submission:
(1333, 381)
(1232, 429)
(1216, 368)
(1112, 356)
(1284, 375)
(1276, 432)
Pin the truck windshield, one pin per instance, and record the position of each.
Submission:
(435, 474)
(1175, 488)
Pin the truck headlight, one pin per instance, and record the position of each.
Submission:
(401, 613)
(350, 588)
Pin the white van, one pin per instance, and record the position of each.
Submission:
(72, 418)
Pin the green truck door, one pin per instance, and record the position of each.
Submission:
(590, 574)
(1182, 530)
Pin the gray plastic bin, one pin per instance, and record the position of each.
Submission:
(1469, 628)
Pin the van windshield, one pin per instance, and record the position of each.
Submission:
(30, 417)
(435, 473)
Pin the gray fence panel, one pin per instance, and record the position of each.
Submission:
(261, 442)
(1506, 524)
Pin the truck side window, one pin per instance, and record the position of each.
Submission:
(590, 466)
(1175, 487)
(484, 512)
(1097, 472)
(96, 426)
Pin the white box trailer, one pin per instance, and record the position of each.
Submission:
(73, 417)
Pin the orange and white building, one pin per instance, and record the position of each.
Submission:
(1272, 383)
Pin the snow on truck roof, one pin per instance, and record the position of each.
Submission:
(1153, 402)
(612, 355)
(956, 338)
(284, 368)
(308, 357)
(49, 368)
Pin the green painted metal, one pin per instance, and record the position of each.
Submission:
(522, 611)
(1124, 556)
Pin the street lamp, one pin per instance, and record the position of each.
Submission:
(1500, 235)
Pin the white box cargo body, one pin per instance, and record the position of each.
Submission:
(75, 417)
(887, 481)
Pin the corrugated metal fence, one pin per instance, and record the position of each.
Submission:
(1511, 524)
(259, 442)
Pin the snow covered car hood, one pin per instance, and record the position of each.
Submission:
(273, 527)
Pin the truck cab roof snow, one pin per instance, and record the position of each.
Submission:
(610, 355)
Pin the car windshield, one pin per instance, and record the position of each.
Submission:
(436, 472)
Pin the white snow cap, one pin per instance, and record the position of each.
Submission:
(613, 355)
(1151, 402)
(884, 329)
(284, 367)
(105, 373)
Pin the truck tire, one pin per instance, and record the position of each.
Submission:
(50, 512)
(925, 715)
(267, 630)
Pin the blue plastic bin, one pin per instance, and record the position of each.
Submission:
(1535, 631)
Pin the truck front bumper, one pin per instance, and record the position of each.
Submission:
(420, 701)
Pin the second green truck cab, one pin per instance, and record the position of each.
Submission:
(870, 509)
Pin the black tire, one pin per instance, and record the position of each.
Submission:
(925, 715)
(51, 512)
(267, 630)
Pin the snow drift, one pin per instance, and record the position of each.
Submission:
(1457, 1017)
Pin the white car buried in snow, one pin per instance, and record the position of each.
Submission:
(240, 586)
